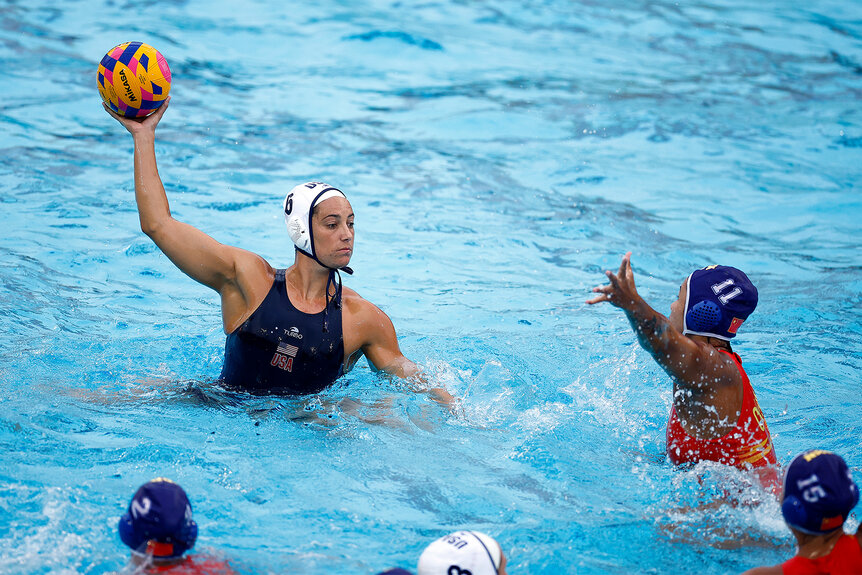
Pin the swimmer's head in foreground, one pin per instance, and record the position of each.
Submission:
(320, 223)
(158, 522)
(713, 302)
(819, 492)
(463, 552)
(816, 499)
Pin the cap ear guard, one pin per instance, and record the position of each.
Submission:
(703, 316)
(793, 511)
(127, 531)
(191, 536)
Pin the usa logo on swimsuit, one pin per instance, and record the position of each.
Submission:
(283, 356)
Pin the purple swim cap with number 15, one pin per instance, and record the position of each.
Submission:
(718, 300)
(819, 492)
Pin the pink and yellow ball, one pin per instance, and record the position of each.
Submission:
(134, 79)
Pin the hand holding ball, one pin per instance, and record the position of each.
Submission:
(134, 79)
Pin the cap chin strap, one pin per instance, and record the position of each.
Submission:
(345, 269)
(488, 551)
(330, 281)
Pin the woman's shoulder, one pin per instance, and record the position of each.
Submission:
(251, 263)
(354, 302)
(357, 305)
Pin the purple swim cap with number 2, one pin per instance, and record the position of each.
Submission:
(159, 518)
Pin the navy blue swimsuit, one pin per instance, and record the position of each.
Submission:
(280, 349)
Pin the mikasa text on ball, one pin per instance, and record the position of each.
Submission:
(134, 79)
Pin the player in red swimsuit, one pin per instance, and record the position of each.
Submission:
(715, 415)
(818, 495)
(159, 528)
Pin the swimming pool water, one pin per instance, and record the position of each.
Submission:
(499, 156)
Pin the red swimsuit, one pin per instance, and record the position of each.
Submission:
(746, 446)
(845, 557)
(194, 565)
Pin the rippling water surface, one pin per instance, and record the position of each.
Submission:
(499, 156)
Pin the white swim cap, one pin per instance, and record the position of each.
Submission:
(460, 553)
(298, 208)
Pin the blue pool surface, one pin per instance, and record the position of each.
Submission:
(499, 156)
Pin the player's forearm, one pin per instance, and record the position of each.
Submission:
(417, 379)
(442, 397)
(153, 208)
(674, 352)
(652, 330)
(438, 394)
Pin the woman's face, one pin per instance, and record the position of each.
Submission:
(332, 223)
(677, 308)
